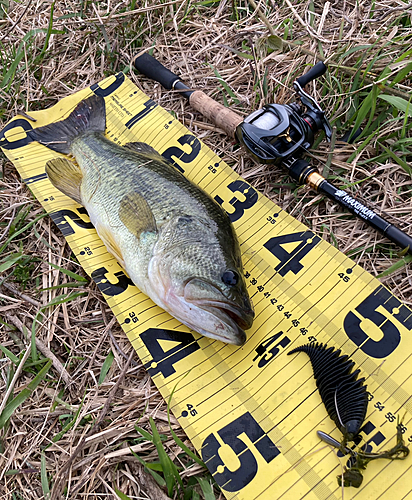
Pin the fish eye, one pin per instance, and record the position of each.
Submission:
(229, 277)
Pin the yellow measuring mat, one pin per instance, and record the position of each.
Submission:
(251, 411)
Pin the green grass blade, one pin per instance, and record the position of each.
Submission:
(170, 471)
(13, 358)
(61, 299)
(18, 55)
(106, 367)
(48, 34)
(398, 103)
(66, 428)
(362, 113)
(228, 90)
(25, 228)
(72, 284)
(72, 275)
(8, 77)
(154, 466)
(366, 129)
(19, 219)
(4, 7)
(207, 488)
(44, 479)
(9, 261)
(23, 395)
(33, 347)
(144, 433)
(121, 495)
(403, 73)
(243, 55)
(398, 160)
(395, 267)
(40, 238)
(357, 48)
(157, 477)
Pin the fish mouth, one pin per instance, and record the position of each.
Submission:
(232, 317)
(230, 320)
(242, 317)
(230, 326)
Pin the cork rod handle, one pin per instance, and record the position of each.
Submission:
(218, 114)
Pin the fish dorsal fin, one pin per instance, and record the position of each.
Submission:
(136, 214)
(145, 149)
(66, 176)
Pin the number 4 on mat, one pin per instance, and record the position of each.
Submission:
(290, 261)
(181, 345)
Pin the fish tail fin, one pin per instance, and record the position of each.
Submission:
(88, 116)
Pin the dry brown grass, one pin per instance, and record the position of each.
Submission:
(190, 38)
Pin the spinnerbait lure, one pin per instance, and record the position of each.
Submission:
(342, 393)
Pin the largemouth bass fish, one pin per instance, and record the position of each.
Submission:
(175, 242)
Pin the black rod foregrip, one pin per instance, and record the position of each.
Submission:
(223, 117)
(318, 70)
(153, 69)
(344, 199)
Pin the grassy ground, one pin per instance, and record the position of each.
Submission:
(66, 428)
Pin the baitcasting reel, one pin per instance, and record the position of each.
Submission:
(277, 132)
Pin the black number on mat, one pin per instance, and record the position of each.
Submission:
(163, 361)
(367, 309)
(247, 192)
(106, 286)
(290, 261)
(231, 445)
(175, 151)
(111, 88)
(261, 349)
(59, 218)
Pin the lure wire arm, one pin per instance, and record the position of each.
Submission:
(270, 149)
(352, 476)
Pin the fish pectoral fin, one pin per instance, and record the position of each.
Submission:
(136, 214)
(108, 239)
(145, 149)
(66, 176)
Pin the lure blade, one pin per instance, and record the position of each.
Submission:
(332, 441)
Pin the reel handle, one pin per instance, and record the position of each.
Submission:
(318, 70)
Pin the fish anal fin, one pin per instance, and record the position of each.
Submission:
(66, 176)
(136, 214)
(109, 240)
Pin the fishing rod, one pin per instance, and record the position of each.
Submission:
(279, 134)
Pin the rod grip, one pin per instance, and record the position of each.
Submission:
(218, 114)
(152, 68)
(318, 70)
